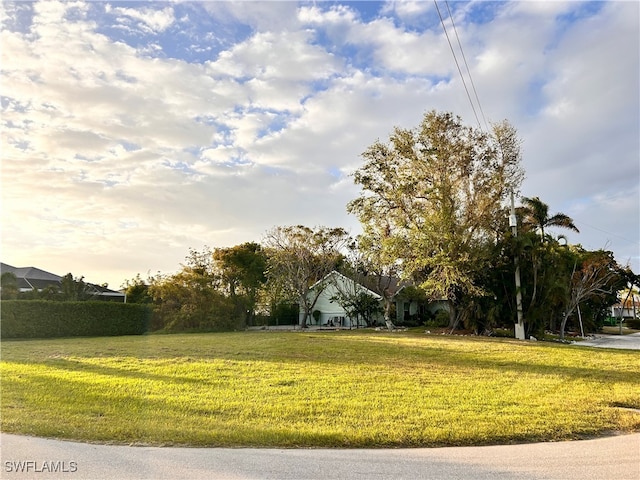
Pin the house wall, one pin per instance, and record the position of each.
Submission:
(331, 310)
(627, 313)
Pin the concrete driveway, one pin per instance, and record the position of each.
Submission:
(611, 458)
(629, 342)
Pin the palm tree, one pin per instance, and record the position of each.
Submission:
(536, 216)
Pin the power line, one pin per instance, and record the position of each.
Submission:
(475, 92)
(607, 232)
(455, 58)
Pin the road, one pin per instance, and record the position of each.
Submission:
(610, 458)
(627, 342)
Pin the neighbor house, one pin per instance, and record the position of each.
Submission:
(628, 306)
(327, 310)
(408, 303)
(32, 278)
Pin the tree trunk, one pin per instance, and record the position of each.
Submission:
(453, 317)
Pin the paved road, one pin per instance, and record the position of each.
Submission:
(611, 458)
(630, 342)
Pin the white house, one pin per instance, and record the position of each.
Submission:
(631, 307)
(407, 302)
(329, 311)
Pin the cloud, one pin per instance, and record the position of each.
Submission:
(119, 155)
(149, 20)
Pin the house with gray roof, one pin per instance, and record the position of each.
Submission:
(32, 278)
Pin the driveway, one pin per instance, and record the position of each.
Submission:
(611, 458)
(630, 342)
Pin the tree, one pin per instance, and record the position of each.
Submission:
(438, 191)
(536, 217)
(300, 256)
(137, 290)
(74, 289)
(191, 299)
(592, 278)
(242, 270)
(8, 286)
(376, 265)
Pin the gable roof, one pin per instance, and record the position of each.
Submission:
(32, 278)
(335, 273)
(384, 284)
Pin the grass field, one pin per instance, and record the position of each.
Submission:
(315, 389)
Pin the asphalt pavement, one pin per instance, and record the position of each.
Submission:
(610, 458)
(627, 342)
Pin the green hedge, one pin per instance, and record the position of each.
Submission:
(44, 319)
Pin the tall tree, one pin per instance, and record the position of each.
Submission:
(300, 256)
(191, 298)
(439, 190)
(243, 271)
(536, 216)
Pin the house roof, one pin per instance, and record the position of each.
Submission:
(384, 284)
(32, 278)
(340, 275)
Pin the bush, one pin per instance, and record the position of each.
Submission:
(281, 314)
(439, 320)
(633, 323)
(44, 319)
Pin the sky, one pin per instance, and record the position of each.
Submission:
(134, 131)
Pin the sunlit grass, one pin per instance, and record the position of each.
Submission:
(286, 389)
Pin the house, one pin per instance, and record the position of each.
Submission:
(32, 278)
(408, 303)
(329, 311)
(631, 307)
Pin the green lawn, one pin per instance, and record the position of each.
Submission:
(315, 389)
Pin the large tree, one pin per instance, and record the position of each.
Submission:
(191, 298)
(436, 192)
(242, 269)
(300, 256)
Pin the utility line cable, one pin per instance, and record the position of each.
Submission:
(579, 220)
(457, 64)
(473, 86)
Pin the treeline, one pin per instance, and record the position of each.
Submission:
(434, 208)
(563, 286)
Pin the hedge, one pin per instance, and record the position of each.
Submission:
(45, 319)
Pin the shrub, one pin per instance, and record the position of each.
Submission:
(439, 320)
(44, 319)
(633, 323)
